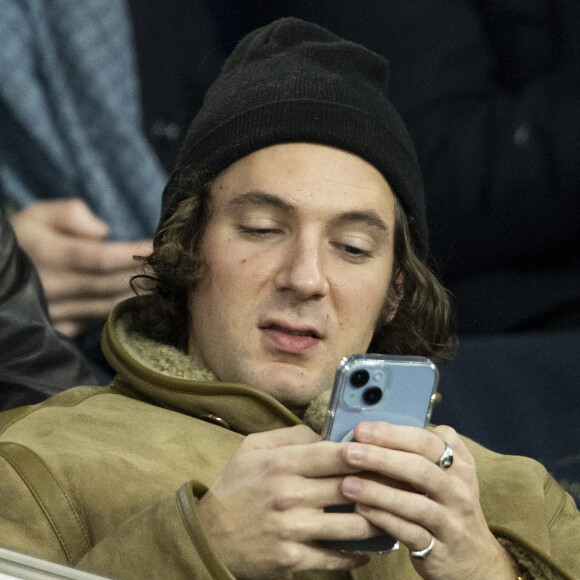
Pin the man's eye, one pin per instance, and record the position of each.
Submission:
(354, 252)
(258, 232)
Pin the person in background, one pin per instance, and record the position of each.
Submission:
(80, 172)
(292, 233)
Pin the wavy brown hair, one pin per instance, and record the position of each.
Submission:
(417, 318)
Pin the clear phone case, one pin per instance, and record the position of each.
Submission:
(373, 387)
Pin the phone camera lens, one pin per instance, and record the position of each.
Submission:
(372, 395)
(359, 378)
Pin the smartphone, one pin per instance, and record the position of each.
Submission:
(374, 387)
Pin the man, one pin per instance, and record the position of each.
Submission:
(292, 234)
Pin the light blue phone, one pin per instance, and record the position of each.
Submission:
(374, 387)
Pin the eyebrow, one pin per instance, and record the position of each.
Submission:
(258, 198)
(368, 217)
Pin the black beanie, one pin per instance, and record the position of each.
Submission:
(293, 81)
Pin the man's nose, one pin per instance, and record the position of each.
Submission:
(302, 270)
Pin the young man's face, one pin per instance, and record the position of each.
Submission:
(299, 249)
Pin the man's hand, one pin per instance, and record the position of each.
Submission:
(83, 275)
(414, 499)
(265, 511)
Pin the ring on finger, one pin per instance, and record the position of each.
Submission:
(446, 459)
(422, 554)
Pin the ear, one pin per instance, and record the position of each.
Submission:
(394, 297)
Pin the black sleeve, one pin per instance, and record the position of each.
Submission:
(35, 360)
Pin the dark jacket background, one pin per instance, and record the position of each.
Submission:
(35, 360)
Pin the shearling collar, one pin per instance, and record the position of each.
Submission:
(171, 378)
(161, 358)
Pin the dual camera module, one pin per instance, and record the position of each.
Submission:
(371, 395)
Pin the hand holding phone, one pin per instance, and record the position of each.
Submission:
(372, 387)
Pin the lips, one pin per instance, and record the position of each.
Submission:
(291, 339)
(295, 331)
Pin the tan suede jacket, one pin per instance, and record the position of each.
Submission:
(107, 479)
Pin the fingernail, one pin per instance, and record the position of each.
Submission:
(351, 486)
(355, 452)
(364, 432)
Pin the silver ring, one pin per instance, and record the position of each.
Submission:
(446, 459)
(422, 554)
